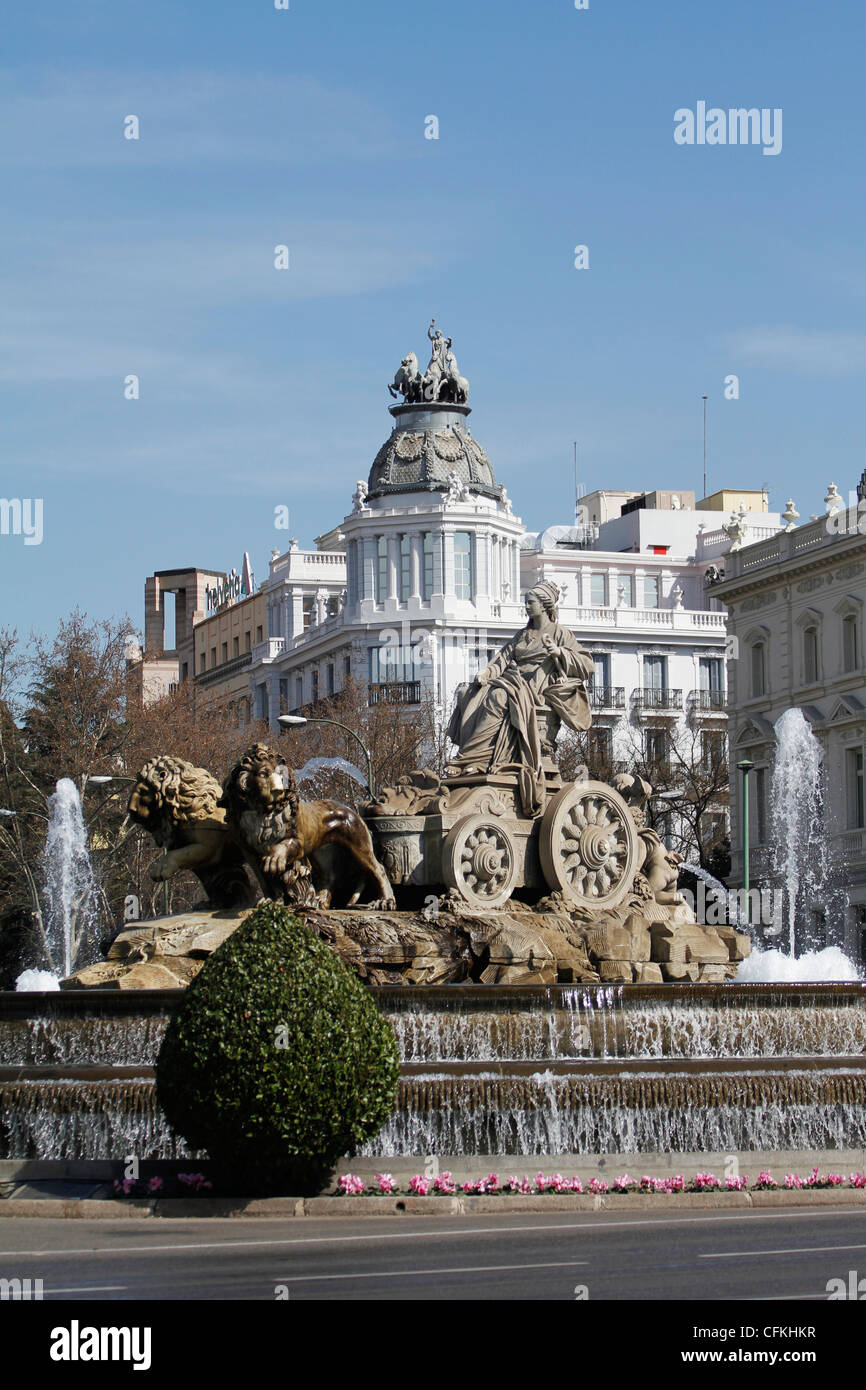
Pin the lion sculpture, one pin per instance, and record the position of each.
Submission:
(179, 805)
(280, 834)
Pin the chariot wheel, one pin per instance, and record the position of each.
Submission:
(479, 861)
(588, 845)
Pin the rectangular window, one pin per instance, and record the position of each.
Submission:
(598, 590)
(213, 657)
(655, 673)
(347, 669)
(850, 645)
(712, 674)
(225, 652)
(248, 641)
(333, 605)
(263, 702)
(810, 655)
(712, 750)
(381, 569)
(625, 590)
(299, 691)
(758, 670)
(202, 662)
(657, 746)
(854, 777)
(235, 646)
(650, 591)
(429, 540)
(599, 746)
(308, 611)
(284, 696)
(330, 679)
(259, 634)
(462, 564)
(405, 568)
(758, 807)
(600, 672)
(314, 682)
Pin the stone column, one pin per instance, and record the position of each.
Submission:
(297, 625)
(448, 563)
(393, 564)
(368, 567)
(415, 544)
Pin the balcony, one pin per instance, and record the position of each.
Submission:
(395, 693)
(658, 701)
(709, 701)
(607, 696)
(268, 650)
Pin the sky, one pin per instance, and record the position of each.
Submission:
(261, 388)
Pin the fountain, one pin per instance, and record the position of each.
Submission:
(555, 995)
(802, 867)
(70, 893)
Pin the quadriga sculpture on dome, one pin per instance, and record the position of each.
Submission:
(441, 381)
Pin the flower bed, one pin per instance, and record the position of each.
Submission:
(443, 1184)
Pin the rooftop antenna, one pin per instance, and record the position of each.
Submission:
(576, 508)
(704, 399)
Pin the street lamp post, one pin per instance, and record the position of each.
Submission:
(291, 721)
(745, 767)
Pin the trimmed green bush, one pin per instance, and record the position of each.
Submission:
(278, 1061)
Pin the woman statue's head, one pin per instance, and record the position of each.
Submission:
(547, 595)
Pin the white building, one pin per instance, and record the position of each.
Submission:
(423, 580)
(795, 617)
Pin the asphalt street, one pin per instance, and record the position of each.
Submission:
(779, 1255)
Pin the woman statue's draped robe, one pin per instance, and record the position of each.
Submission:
(500, 726)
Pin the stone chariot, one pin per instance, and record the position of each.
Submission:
(476, 841)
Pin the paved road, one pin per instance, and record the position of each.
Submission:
(787, 1255)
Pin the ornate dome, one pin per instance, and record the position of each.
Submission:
(430, 441)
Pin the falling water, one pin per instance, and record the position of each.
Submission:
(70, 892)
(800, 844)
(314, 766)
(734, 914)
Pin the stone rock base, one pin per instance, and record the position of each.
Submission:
(454, 944)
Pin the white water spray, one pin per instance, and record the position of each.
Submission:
(70, 893)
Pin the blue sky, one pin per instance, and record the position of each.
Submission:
(305, 127)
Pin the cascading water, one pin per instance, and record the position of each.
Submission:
(796, 807)
(70, 894)
(313, 766)
(724, 896)
(813, 909)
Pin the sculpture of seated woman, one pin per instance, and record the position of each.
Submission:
(508, 720)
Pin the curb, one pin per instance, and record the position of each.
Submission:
(111, 1209)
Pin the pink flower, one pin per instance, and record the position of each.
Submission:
(351, 1185)
(386, 1183)
(155, 1185)
(765, 1179)
(419, 1185)
(445, 1184)
(597, 1186)
(735, 1184)
(857, 1180)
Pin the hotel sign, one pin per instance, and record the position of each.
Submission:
(232, 589)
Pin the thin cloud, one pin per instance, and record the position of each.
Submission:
(55, 119)
(809, 351)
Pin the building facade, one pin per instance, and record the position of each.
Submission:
(795, 618)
